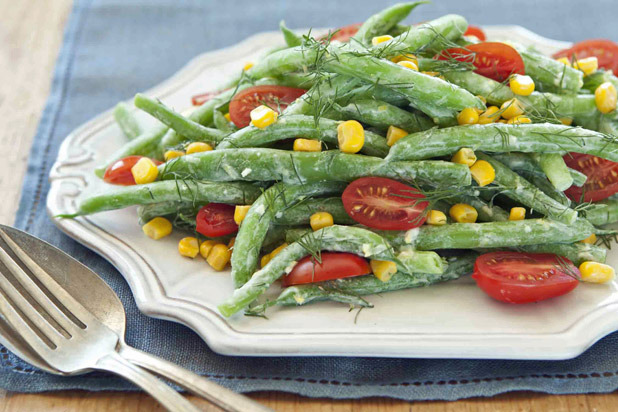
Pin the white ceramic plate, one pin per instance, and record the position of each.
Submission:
(450, 320)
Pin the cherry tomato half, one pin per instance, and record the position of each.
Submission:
(200, 99)
(275, 97)
(602, 176)
(385, 204)
(606, 52)
(345, 33)
(216, 219)
(335, 265)
(516, 277)
(494, 60)
(476, 32)
(119, 173)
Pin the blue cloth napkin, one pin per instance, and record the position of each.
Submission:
(115, 48)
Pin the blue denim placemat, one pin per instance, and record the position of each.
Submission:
(115, 48)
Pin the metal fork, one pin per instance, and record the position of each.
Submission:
(64, 333)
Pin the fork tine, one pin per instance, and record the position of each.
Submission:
(54, 288)
(33, 289)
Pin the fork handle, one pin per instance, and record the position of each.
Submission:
(224, 398)
(155, 387)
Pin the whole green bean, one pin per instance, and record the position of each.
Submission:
(382, 22)
(548, 74)
(576, 252)
(222, 123)
(546, 187)
(523, 163)
(603, 212)
(555, 169)
(126, 121)
(147, 212)
(382, 115)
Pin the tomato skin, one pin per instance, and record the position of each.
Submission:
(335, 265)
(516, 277)
(601, 182)
(476, 32)
(275, 97)
(345, 33)
(216, 219)
(606, 52)
(395, 206)
(494, 60)
(200, 99)
(119, 172)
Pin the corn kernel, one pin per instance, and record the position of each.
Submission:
(247, 66)
(605, 97)
(521, 119)
(144, 171)
(511, 108)
(436, 218)
(565, 61)
(464, 156)
(469, 115)
(219, 256)
(381, 39)
(489, 115)
(206, 247)
(197, 147)
(595, 272)
(521, 85)
(408, 65)
(383, 269)
(265, 259)
(263, 116)
(588, 65)
(517, 213)
(393, 134)
(432, 74)
(463, 213)
(321, 219)
(501, 121)
(405, 56)
(228, 117)
(483, 172)
(351, 136)
(157, 228)
(307, 145)
(592, 239)
(567, 121)
(189, 247)
(172, 154)
(231, 243)
(278, 249)
(482, 98)
(240, 212)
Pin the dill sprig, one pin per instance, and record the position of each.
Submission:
(566, 267)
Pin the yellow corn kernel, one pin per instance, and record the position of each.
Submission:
(206, 247)
(483, 99)
(511, 108)
(564, 60)
(172, 154)
(605, 97)
(489, 115)
(144, 171)
(278, 249)
(567, 121)
(307, 145)
(464, 156)
(469, 115)
(592, 239)
(393, 134)
(231, 243)
(405, 56)
(351, 136)
(521, 119)
(588, 65)
(463, 213)
(595, 272)
(436, 218)
(521, 85)
(240, 212)
(381, 39)
(432, 74)
(227, 117)
(157, 228)
(263, 116)
(383, 269)
(247, 66)
(517, 213)
(319, 220)
(408, 65)
(483, 172)
(265, 259)
(197, 147)
(501, 121)
(219, 256)
(189, 247)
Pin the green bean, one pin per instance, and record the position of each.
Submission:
(333, 290)
(300, 126)
(301, 167)
(519, 189)
(126, 121)
(523, 163)
(382, 22)
(329, 89)
(255, 225)
(222, 123)
(179, 190)
(291, 38)
(546, 187)
(576, 252)
(550, 75)
(555, 169)
(540, 138)
(603, 212)
(382, 115)
(147, 212)
(301, 213)
(594, 80)
(486, 212)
